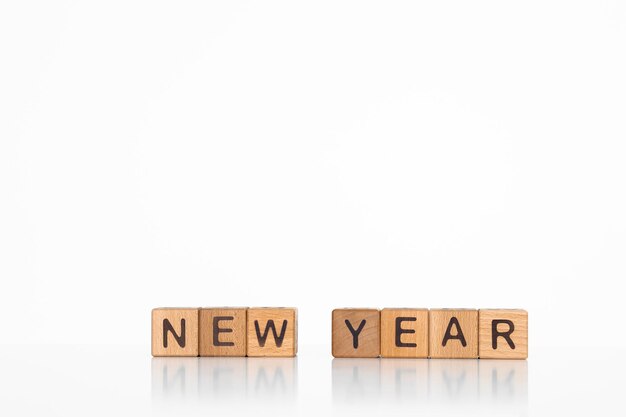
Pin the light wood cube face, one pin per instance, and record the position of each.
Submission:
(272, 332)
(503, 334)
(404, 333)
(356, 333)
(453, 333)
(175, 332)
(223, 332)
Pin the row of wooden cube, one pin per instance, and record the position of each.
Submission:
(224, 331)
(435, 333)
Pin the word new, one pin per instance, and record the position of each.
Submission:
(224, 332)
(435, 333)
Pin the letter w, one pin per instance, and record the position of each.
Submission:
(270, 325)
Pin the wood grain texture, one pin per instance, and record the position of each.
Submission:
(404, 333)
(266, 335)
(368, 337)
(223, 331)
(511, 326)
(442, 320)
(168, 337)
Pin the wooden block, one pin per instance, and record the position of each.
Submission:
(503, 334)
(356, 333)
(404, 333)
(453, 333)
(223, 331)
(272, 332)
(175, 332)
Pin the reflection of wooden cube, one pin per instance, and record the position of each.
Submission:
(174, 378)
(222, 332)
(356, 333)
(404, 380)
(404, 333)
(272, 332)
(175, 332)
(356, 381)
(504, 382)
(451, 381)
(222, 379)
(275, 378)
(503, 334)
(453, 333)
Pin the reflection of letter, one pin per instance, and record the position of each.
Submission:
(453, 379)
(217, 330)
(495, 383)
(355, 333)
(180, 375)
(506, 335)
(504, 380)
(400, 331)
(174, 377)
(459, 333)
(356, 381)
(270, 325)
(278, 379)
(454, 385)
(167, 327)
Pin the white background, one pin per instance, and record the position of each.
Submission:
(311, 154)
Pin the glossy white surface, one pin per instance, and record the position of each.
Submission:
(108, 380)
(318, 155)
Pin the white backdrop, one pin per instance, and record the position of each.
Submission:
(311, 154)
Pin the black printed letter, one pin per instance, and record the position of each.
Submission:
(459, 333)
(355, 333)
(400, 331)
(270, 325)
(167, 327)
(217, 330)
(507, 335)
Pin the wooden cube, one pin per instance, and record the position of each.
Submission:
(223, 332)
(503, 334)
(404, 333)
(453, 333)
(175, 332)
(356, 333)
(272, 332)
